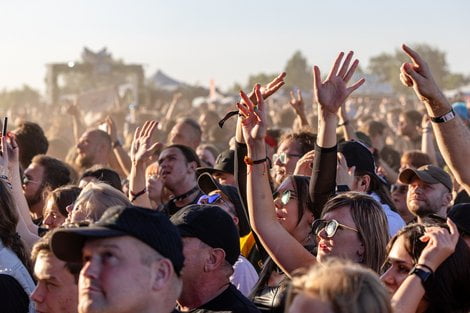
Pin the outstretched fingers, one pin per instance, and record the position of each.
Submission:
(414, 56)
(316, 79)
(336, 65)
(351, 71)
(356, 85)
(345, 66)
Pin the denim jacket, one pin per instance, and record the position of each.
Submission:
(11, 265)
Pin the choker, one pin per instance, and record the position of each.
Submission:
(185, 195)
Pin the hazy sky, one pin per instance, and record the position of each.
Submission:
(199, 40)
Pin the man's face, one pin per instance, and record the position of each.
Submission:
(173, 167)
(87, 147)
(291, 151)
(182, 134)
(195, 252)
(114, 278)
(405, 128)
(33, 183)
(56, 290)
(424, 199)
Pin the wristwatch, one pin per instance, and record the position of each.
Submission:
(422, 274)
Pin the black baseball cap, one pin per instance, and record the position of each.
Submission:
(210, 224)
(224, 163)
(208, 184)
(151, 227)
(429, 174)
(357, 154)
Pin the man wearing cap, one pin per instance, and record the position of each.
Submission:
(223, 169)
(429, 190)
(132, 259)
(227, 198)
(211, 248)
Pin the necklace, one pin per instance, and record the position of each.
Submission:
(185, 195)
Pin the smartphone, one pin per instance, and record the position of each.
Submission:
(5, 123)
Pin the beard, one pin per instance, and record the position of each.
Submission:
(36, 198)
(84, 162)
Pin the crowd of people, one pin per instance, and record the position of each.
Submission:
(353, 204)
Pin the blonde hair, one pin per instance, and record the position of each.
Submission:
(371, 223)
(94, 199)
(346, 286)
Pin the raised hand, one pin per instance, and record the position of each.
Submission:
(304, 165)
(418, 75)
(142, 146)
(111, 128)
(344, 174)
(297, 103)
(333, 91)
(440, 244)
(269, 89)
(253, 116)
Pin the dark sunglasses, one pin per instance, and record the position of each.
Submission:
(330, 227)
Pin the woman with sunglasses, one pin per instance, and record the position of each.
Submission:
(427, 269)
(359, 231)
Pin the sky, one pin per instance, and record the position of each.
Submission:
(196, 41)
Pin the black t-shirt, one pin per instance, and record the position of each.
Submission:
(170, 207)
(231, 300)
(13, 298)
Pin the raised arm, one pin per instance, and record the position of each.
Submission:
(120, 154)
(142, 148)
(453, 137)
(10, 168)
(297, 103)
(260, 201)
(330, 95)
(441, 244)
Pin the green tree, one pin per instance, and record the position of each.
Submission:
(387, 67)
(299, 73)
(261, 78)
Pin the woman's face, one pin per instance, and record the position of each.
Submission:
(309, 303)
(400, 264)
(52, 216)
(345, 243)
(287, 214)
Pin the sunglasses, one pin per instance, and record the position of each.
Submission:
(282, 157)
(285, 196)
(329, 226)
(214, 198)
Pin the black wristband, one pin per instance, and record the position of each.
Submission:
(423, 275)
(138, 194)
(346, 122)
(444, 118)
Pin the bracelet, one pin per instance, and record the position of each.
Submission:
(249, 161)
(444, 118)
(138, 194)
(346, 122)
(4, 177)
(426, 267)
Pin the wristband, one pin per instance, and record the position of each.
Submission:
(423, 275)
(249, 161)
(136, 195)
(444, 118)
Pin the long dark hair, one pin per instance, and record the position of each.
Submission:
(8, 221)
(450, 286)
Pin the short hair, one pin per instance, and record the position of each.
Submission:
(188, 153)
(44, 244)
(413, 117)
(102, 135)
(370, 221)
(348, 286)
(31, 141)
(105, 175)
(56, 172)
(95, 198)
(415, 158)
(193, 123)
(63, 197)
(448, 290)
(306, 140)
(374, 128)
